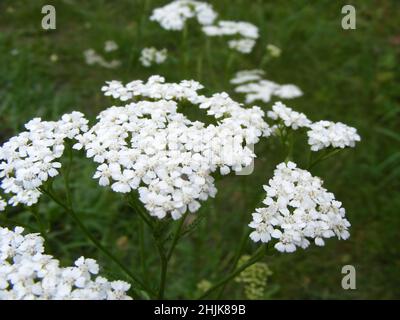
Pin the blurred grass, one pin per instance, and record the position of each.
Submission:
(349, 76)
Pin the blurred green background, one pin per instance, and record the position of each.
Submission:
(347, 75)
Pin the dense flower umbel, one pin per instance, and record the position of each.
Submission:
(150, 56)
(297, 208)
(324, 134)
(30, 158)
(255, 88)
(150, 146)
(173, 16)
(288, 116)
(26, 273)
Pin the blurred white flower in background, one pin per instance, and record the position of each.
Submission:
(273, 51)
(150, 56)
(245, 34)
(92, 58)
(242, 45)
(255, 88)
(298, 209)
(3, 204)
(173, 16)
(110, 46)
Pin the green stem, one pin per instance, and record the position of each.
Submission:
(238, 253)
(103, 249)
(159, 245)
(289, 143)
(142, 250)
(176, 236)
(253, 259)
(324, 157)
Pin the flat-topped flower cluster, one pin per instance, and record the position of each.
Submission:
(30, 158)
(173, 16)
(150, 147)
(321, 134)
(255, 88)
(27, 273)
(298, 209)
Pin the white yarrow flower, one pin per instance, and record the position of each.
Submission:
(27, 273)
(324, 134)
(30, 158)
(150, 56)
(288, 116)
(297, 209)
(255, 88)
(149, 146)
(173, 16)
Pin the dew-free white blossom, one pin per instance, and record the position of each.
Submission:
(173, 16)
(247, 76)
(273, 51)
(150, 56)
(151, 147)
(242, 45)
(30, 158)
(110, 46)
(245, 34)
(297, 209)
(288, 116)
(324, 134)
(27, 273)
(232, 28)
(257, 89)
(92, 58)
(3, 204)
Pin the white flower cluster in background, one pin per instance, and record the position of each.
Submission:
(258, 89)
(169, 159)
(26, 273)
(150, 56)
(246, 34)
(30, 158)
(324, 134)
(93, 58)
(298, 209)
(110, 46)
(242, 45)
(173, 16)
(288, 116)
(3, 204)
(273, 50)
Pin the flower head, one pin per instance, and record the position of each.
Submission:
(151, 55)
(298, 209)
(288, 116)
(150, 147)
(27, 273)
(30, 158)
(173, 16)
(324, 134)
